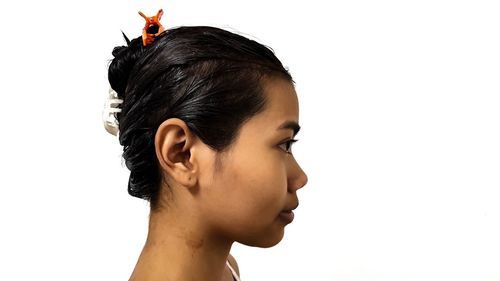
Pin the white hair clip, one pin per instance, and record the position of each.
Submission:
(108, 114)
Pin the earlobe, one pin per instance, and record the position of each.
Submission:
(173, 146)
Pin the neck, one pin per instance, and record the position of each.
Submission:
(181, 248)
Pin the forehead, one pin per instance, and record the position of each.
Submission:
(282, 103)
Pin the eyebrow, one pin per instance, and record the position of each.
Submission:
(290, 125)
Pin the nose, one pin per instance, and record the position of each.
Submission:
(298, 178)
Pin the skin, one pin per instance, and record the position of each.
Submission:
(191, 234)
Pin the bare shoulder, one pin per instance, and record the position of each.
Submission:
(233, 263)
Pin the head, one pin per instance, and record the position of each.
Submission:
(200, 124)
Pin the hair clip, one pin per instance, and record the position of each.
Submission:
(108, 114)
(152, 28)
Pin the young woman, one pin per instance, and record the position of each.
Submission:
(206, 119)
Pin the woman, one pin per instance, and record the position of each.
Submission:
(206, 119)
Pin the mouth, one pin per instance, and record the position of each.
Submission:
(287, 214)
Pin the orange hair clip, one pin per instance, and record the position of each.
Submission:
(152, 28)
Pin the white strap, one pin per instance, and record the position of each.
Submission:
(235, 275)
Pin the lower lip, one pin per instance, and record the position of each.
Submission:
(287, 216)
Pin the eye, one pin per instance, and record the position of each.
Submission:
(288, 145)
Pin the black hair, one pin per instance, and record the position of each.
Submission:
(210, 78)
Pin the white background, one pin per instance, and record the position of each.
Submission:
(400, 109)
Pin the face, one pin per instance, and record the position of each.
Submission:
(259, 177)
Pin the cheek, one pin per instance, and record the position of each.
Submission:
(259, 183)
(250, 191)
(260, 194)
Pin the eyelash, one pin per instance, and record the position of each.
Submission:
(289, 142)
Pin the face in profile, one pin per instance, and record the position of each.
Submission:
(259, 177)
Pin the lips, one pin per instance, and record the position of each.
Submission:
(291, 208)
(287, 216)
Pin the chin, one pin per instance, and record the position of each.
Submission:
(266, 240)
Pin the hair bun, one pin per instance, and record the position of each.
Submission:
(124, 61)
(117, 51)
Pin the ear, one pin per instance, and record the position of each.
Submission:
(173, 145)
(160, 13)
